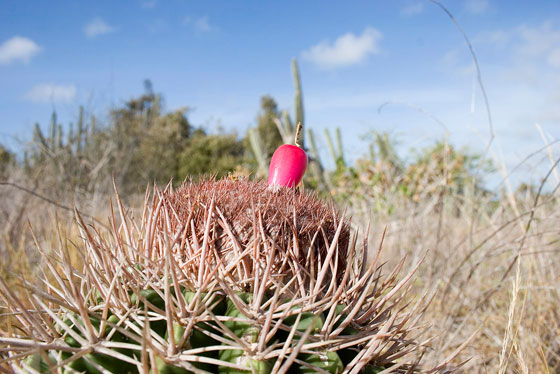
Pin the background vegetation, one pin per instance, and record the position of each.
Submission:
(491, 257)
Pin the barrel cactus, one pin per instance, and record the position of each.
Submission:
(217, 277)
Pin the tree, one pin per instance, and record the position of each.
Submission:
(267, 128)
(139, 144)
(217, 155)
(6, 159)
(149, 142)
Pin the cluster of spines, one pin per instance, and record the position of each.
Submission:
(134, 304)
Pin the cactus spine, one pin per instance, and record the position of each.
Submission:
(217, 277)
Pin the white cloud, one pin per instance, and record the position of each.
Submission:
(541, 43)
(496, 38)
(526, 52)
(200, 24)
(49, 92)
(451, 57)
(412, 9)
(554, 58)
(521, 73)
(476, 6)
(148, 4)
(18, 48)
(346, 50)
(158, 25)
(97, 27)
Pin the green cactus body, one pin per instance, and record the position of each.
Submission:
(241, 329)
(307, 319)
(153, 298)
(240, 357)
(38, 363)
(164, 368)
(372, 369)
(248, 332)
(347, 354)
(328, 361)
(110, 363)
(150, 296)
(348, 330)
(197, 339)
(218, 302)
(178, 333)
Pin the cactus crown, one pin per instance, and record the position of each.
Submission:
(246, 223)
(218, 276)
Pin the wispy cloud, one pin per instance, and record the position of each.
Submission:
(18, 48)
(523, 80)
(412, 9)
(200, 24)
(554, 58)
(476, 6)
(541, 43)
(529, 51)
(49, 92)
(97, 27)
(148, 4)
(346, 50)
(158, 25)
(496, 38)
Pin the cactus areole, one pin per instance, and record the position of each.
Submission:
(287, 166)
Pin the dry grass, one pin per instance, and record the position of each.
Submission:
(496, 268)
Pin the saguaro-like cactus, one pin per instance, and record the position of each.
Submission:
(298, 96)
(217, 277)
(286, 127)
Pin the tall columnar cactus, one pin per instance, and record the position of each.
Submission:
(286, 127)
(316, 166)
(38, 136)
(81, 131)
(52, 138)
(260, 154)
(298, 96)
(217, 277)
(338, 152)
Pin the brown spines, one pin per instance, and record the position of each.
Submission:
(242, 225)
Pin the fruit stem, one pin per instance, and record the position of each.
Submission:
(298, 131)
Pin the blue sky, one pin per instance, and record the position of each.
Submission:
(219, 57)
